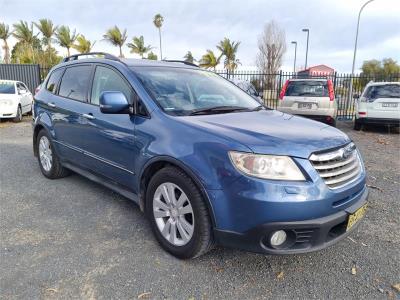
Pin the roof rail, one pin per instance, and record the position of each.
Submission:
(105, 55)
(181, 61)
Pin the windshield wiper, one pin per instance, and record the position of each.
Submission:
(218, 109)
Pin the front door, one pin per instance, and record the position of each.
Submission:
(108, 139)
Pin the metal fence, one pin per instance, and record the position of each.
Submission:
(28, 74)
(270, 85)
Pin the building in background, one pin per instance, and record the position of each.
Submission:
(318, 70)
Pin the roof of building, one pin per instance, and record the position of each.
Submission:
(317, 66)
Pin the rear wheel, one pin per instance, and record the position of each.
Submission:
(357, 125)
(48, 160)
(178, 214)
(18, 117)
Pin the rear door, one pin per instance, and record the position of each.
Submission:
(383, 101)
(306, 95)
(68, 107)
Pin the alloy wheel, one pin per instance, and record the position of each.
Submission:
(45, 153)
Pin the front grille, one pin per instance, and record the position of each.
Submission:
(339, 167)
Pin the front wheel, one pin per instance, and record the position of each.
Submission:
(178, 214)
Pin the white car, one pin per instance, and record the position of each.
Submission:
(15, 100)
(312, 98)
(379, 104)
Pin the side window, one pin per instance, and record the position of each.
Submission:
(54, 78)
(75, 82)
(105, 79)
(141, 109)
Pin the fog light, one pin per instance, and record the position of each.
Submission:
(278, 238)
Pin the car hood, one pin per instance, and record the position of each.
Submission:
(8, 96)
(272, 132)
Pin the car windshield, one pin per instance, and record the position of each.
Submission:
(182, 91)
(7, 87)
(384, 91)
(312, 88)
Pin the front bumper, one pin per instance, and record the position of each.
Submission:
(305, 236)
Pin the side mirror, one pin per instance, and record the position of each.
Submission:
(21, 92)
(113, 103)
(356, 96)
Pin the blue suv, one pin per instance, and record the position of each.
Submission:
(204, 160)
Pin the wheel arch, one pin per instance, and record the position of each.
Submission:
(160, 162)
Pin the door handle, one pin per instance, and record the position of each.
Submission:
(89, 116)
(51, 104)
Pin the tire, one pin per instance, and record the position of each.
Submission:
(18, 117)
(333, 123)
(357, 125)
(53, 169)
(184, 243)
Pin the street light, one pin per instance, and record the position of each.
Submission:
(295, 53)
(308, 36)
(355, 48)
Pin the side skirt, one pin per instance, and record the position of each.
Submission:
(105, 182)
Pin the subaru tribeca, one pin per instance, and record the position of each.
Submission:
(204, 160)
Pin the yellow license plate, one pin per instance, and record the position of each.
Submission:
(357, 216)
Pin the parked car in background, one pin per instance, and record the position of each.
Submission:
(379, 104)
(249, 88)
(311, 98)
(15, 100)
(204, 160)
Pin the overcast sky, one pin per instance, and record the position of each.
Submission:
(198, 25)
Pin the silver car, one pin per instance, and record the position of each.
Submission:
(312, 98)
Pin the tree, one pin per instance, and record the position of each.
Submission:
(152, 56)
(24, 34)
(379, 70)
(189, 57)
(82, 44)
(137, 46)
(271, 48)
(5, 34)
(48, 30)
(158, 22)
(229, 50)
(23, 53)
(115, 37)
(65, 38)
(209, 60)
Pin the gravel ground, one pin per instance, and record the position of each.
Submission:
(71, 238)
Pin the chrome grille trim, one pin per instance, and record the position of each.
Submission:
(338, 167)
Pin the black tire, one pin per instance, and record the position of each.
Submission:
(333, 123)
(202, 239)
(18, 117)
(56, 170)
(357, 125)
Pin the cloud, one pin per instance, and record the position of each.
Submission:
(198, 25)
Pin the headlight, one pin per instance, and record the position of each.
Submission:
(266, 166)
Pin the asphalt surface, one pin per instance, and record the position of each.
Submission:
(71, 238)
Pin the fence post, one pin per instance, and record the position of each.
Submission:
(279, 86)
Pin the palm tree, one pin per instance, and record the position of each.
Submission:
(48, 30)
(209, 60)
(189, 57)
(229, 49)
(152, 56)
(158, 22)
(65, 38)
(5, 33)
(24, 34)
(83, 45)
(116, 38)
(138, 46)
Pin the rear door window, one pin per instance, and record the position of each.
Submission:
(75, 82)
(311, 88)
(52, 83)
